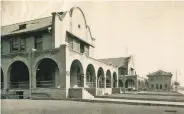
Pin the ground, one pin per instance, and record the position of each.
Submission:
(148, 97)
(74, 107)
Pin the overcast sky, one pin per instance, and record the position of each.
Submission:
(152, 31)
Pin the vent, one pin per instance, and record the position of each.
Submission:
(23, 26)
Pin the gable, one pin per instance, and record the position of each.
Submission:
(160, 73)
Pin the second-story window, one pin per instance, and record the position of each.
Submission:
(82, 48)
(38, 42)
(87, 50)
(22, 44)
(14, 44)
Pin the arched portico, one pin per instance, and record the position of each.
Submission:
(18, 75)
(90, 76)
(115, 79)
(46, 73)
(129, 83)
(120, 83)
(101, 78)
(76, 74)
(108, 79)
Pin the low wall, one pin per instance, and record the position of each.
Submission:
(51, 93)
(103, 91)
(12, 93)
(116, 90)
(75, 93)
(108, 91)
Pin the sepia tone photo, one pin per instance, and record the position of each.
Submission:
(92, 57)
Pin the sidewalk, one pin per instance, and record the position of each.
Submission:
(132, 102)
(180, 91)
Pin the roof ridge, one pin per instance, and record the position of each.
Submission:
(116, 57)
(26, 21)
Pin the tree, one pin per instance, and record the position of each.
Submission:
(176, 84)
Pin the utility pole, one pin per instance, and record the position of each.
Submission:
(176, 81)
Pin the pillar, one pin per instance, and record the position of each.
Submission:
(96, 82)
(105, 82)
(84, 80)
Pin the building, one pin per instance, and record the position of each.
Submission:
(54, 56)
(159, 81)
(127, 73)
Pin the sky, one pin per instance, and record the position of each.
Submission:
(153, 32)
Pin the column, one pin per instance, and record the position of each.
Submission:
(105, 82)
(84, 80)
(96, 82)
(6, 80)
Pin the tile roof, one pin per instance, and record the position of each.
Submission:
(119, 62)
(160, 73)
(32, 25)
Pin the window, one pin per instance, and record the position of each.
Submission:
(38, 42)
(70, 41)
(23, 26)
(87, 50)
(22, 44)
(81, 48)
(156, 86)
(165, 85)
(160, 86)
(152, 78)
(152, 86)
(14, 44)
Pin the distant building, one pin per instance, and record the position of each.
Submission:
(159, 81)
(126, 73)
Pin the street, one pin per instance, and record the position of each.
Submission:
(74, 107)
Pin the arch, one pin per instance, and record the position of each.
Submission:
(46, 73)
(90, 76)
(18, 74)
(2, 79)
(115, 79)
(101, 77)
(108, 79)
(130, 84)
(76, 74)
(120, 83)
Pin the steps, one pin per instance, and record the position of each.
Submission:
(80, 93)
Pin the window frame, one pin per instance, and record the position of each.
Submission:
(24, 40)
(13, 42)
(38, 43)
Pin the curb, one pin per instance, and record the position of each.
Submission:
(122, 102)
(148, 99)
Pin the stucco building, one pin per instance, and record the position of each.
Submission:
(54, 55)
(128, 78)
(159, 81)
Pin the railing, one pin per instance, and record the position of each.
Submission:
(108, 85)
(90, 84)
(79, 83)
(20, 85)
(101, 85)
(45, 84)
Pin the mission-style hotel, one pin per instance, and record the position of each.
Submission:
(55, 56)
